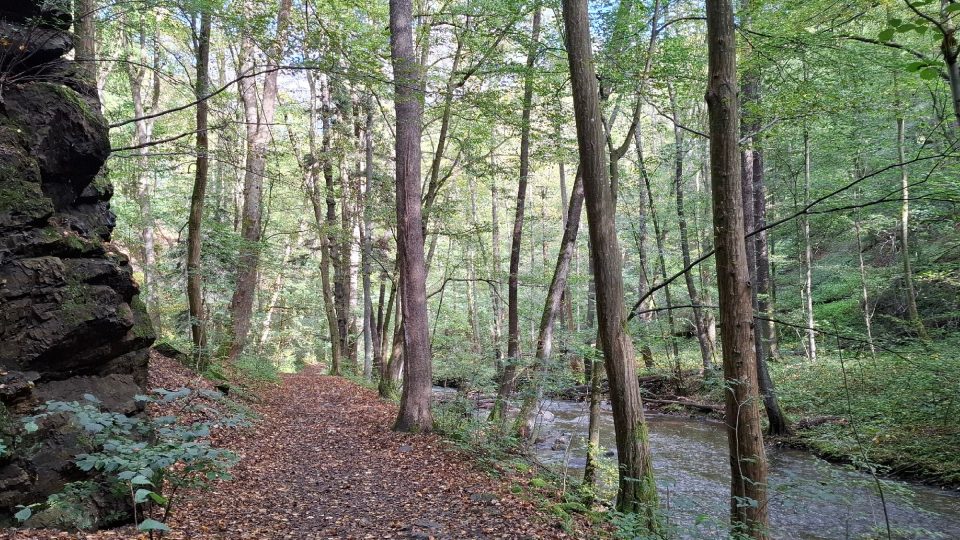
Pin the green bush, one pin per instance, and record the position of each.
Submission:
(148, 459)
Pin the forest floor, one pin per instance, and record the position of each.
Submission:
(321, 461)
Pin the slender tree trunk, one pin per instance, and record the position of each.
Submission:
(553, 303)
(706, 346)
(378, 331)
(414, 415)
(313, 167)
(637, 491)
(145, 101)
(259, 115)
(369, 326)
(508, 376)
(496, 272)
(277, 289)
(593, 428)
(777, 422)
(194, 223)
(867, 312)
(911, 291)
(755, 208)
(392, 348)
(342, 289)
(764, 281)
(329, 256)
(474, 318)
(748, 462)
(643, 258)
(566, 303)
(388, 384)
(808, 254)
(667, 294)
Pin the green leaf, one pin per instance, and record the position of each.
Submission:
(141, 480)
(152, 525)
(157, 498)
(953, 8)
(141, 495)
(895, 22)
(24, 514)
(913, 67)
(928, 74)
(886, 34)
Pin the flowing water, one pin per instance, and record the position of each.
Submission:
(809, 497)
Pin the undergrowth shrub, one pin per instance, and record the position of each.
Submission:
(150, 460)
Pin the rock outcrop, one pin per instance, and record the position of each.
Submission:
(70, 319)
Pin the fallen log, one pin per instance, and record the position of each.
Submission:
(691, 404)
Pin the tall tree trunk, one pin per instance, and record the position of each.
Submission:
(748, 462)
(329, 253)
(496, 272)
(637, 491)
(145, 101)
(867, 312)
(508, 376)
(414, 415)
(658, 235)
(751, 162)
(643, 258)
(370, 329)
(342, 291)
(808, 255)
(259, 115)
(764, 281)
(553, 303)
(756, 212)
(700, 327)
(472, 315)
(911, 291)
(777, 422)
(566, 302)
(194, 223)
(312, 174)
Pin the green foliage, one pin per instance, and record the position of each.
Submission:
(150, 459)
(902, 407)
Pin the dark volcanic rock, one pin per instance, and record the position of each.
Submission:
(71, 322)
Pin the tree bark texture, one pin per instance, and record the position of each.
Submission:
(748, 462)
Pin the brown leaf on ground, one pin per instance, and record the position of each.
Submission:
(322, 462)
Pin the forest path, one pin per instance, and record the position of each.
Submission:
(322, 462)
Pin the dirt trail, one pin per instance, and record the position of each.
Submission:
(322, 462)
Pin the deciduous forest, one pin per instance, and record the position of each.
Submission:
(630, 269)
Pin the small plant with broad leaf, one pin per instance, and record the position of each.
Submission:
(150, 459)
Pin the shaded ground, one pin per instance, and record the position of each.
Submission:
(322, 462)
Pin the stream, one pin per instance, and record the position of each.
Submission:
(809, 498)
